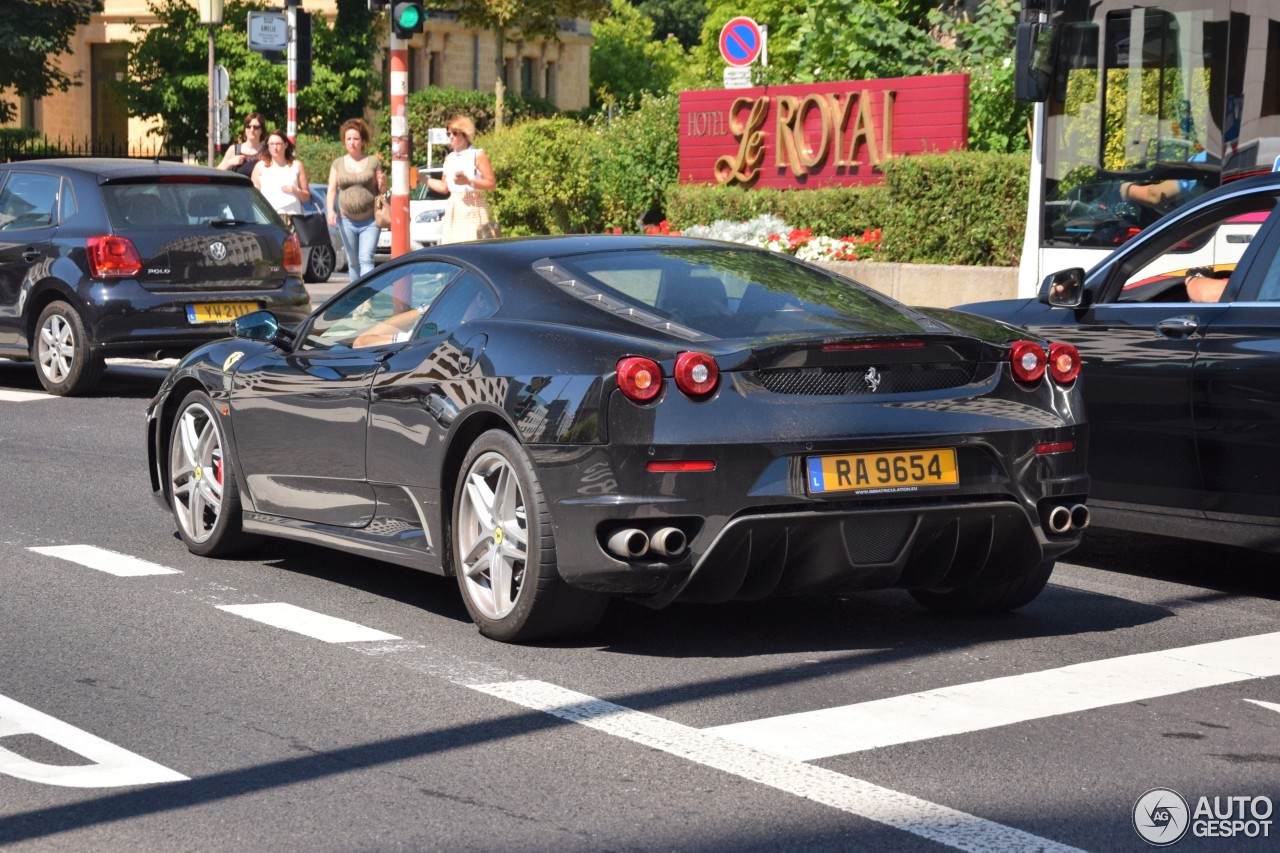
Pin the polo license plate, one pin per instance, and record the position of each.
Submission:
(218, 312)
(894, 471)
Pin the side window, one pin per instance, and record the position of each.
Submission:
(384, 309)
(29, 200)
(468, 298)
(1195, 263)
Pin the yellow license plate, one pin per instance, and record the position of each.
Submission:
(895, 471)
(219, 312)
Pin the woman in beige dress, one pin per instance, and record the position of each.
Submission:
(467, 175)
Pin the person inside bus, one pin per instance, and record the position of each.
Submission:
(1163, 196)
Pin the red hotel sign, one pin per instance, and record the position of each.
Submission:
(820, 134)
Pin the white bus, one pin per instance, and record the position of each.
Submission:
(1140, 108)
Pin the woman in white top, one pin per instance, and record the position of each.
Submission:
(467, 176)
(281, 178)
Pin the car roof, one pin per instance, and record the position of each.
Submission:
(105, 169)
(526, 250)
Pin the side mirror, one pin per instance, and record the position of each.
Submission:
(1063, 289)
(1033, 61)
(260, 326)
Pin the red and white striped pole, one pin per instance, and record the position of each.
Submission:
(399, 145)
(291, 125)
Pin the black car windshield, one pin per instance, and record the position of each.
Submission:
(723, 292)
(174, 204)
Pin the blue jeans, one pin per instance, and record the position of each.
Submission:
(360, 239)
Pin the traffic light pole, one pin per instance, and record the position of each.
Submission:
(399, 145)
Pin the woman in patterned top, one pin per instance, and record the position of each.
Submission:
(355, 180)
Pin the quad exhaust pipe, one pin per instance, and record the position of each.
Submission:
(1063, 518)
(632, 543)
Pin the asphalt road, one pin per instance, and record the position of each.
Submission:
(196, 704)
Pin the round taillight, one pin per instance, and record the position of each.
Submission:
(1027, 360)
(696, 373)
(639, 378)
(1064, 362)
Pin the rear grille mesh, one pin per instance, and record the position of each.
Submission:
(894, 379)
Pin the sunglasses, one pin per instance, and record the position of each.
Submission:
(457, 133)
(253, 127)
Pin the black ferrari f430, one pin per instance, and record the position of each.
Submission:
(555, 421)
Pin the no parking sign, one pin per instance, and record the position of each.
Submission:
(741, 42)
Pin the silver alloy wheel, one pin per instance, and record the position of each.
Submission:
(195, 472)
(321, 262)
(56, 348)
(493, 535)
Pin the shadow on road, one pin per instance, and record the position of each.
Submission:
(1222, 568)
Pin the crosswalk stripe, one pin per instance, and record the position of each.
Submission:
(1004, 701)
(103, 560)
(23, 396)
(318, 626)
(929, 820)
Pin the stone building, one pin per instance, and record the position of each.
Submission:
(445, 54)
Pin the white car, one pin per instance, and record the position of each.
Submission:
(426, 215)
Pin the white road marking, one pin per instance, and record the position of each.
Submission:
(329, 629)
(1270, 706)
(103, 560)
(111, 766)
(901, 811)
(23, 396)
(1004, 701)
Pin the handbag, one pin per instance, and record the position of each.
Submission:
(312, 229)
(382, 211)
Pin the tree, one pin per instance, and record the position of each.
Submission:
(626, 60)
(34, 34)
(168, 70)
(526, 19)
(680, 18)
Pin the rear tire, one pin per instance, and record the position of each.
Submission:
(66, 364)
(978, 599)
(202, 482)
(503, 549)
(320, 263)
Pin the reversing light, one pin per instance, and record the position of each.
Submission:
(640, 379)
(112, 256)
(680, 466)
(292, 255)
(696, 373)
(1064, 362)
(1027, 360)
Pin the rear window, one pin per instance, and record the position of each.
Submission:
(701, 292)
(168, 205)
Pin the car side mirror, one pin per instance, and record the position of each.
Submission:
(261, 326)
(1064, 289)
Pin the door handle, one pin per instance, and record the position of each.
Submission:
(32, 255)
(1179, 327)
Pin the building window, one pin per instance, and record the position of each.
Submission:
(435, 68)
(549, 85)
(526, 76)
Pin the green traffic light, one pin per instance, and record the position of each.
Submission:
(409, 18)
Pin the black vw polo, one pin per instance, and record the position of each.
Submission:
(121, 257)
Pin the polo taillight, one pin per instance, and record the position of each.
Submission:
(112, 256)
(640, 379)
(1027, 360)
(292, 255)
